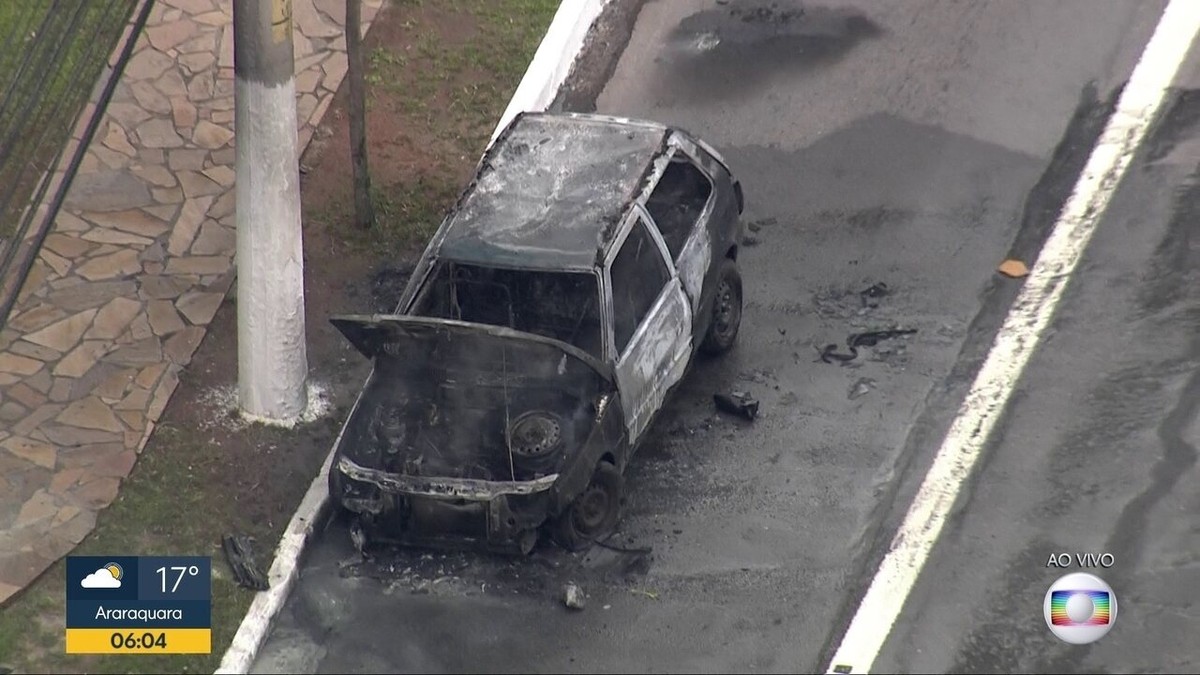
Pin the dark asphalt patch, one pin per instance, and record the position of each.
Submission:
(1167, 301)
(1176, 258)
(1041, 209)
(1047, 198)
(1128, 400)
(598, 59)
(1007, 630)
(721, 52)
(1177, 124)
(617, 563)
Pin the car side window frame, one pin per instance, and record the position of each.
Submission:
(679, 146)
(638, 212)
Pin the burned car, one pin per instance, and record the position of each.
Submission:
(558, 305)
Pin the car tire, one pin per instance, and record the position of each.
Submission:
(726, 319)
(594, 514)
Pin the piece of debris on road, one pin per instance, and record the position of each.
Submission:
(861, 388)
(240, 556)
(737, 403)
(869, 295)
(830, 353)
(1014, 269)
(649, 594)
(573, 596)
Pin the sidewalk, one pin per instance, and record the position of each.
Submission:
(137, 264)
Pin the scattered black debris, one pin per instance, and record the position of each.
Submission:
(737, 403)
(750, 241)
(872, 293)
(573, 596)
(387, 284)
(830, 354)
(872, 338)
(861, 387)
(240, 556)
(641, 550)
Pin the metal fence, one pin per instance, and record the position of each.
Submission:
(56, 56)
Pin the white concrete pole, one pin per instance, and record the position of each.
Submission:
(272, 355)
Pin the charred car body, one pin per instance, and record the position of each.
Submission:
(557, 306)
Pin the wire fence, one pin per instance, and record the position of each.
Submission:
(56, 56)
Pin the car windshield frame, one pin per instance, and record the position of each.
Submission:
(513, 305)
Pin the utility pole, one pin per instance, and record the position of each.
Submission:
(364, 210)
(272, 354)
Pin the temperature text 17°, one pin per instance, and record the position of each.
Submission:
(179, 571)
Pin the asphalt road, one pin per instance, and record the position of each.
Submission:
(1097, 454)
(917, 144)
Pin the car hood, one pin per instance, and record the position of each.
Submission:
(379, 335)
(449, 399)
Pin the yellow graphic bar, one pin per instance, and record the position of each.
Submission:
(139, 640)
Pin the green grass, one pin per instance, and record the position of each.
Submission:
(454, 92)
(47, 72)
(155, 514)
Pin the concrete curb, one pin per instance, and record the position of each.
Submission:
(539, 86)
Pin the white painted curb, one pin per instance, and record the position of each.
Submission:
(554, 58)
(539, 86)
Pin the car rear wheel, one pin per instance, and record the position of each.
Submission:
(726, 311)
(595, 512)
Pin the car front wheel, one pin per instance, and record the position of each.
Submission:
(726, 311)
(594, 514)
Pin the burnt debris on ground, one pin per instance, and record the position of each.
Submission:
(869, 295)
(830, 353)
(548, 572)
(239, 552)
(737, 403)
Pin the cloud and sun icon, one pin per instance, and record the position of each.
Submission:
(108, 576)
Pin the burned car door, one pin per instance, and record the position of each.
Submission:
(651, 328)
(680, 206)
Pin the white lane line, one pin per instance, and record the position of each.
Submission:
(1018, 337)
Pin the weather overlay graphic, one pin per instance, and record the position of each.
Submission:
(139, 605)
(1080, 608)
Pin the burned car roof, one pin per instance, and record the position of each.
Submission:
(551, 190)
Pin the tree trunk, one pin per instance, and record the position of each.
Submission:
(272, 352)
(364, 209)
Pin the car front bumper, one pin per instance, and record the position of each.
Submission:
(446, 512)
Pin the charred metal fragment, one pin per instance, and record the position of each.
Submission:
(461, 488)
(737, 403)
(240, 555)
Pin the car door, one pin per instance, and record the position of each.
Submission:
(651, 327)
(680, 206)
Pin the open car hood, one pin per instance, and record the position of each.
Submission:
(393, 335)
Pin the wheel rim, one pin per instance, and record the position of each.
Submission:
(535, 434)
(726, 312)
(592, 510)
